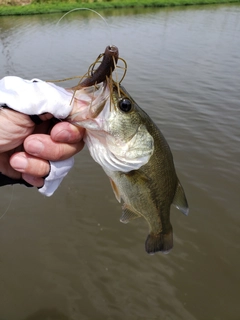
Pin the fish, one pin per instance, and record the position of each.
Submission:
(134, 154)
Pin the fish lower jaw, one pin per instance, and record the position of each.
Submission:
(88, 124)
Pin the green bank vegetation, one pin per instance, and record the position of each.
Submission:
(18, 7)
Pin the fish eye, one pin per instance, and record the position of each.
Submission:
(125, 105)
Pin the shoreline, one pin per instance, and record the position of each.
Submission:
(53, 7)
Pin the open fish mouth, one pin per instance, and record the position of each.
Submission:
(92, 93)
(89, 103)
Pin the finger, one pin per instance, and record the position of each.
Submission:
(6, 169)
(42, 146)
(34, 181)
(45, 116)
(25, 163)
(66, 132)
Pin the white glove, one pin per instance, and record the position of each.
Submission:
(34, 97)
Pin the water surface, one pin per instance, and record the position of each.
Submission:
(68, 256)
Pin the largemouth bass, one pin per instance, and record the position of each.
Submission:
(133, 152)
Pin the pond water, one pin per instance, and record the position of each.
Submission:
(68, 256)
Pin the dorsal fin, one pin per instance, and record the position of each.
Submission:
(180, 201)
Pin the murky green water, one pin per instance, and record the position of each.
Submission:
(68, 257)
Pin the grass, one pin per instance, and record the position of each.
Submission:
(51, 6)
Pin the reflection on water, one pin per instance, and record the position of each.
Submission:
(68, 257)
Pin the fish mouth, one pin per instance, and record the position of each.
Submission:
(88, 103)
(92, 94)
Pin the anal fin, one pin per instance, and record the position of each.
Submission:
(129, 214)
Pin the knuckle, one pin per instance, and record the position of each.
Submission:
(58, 152)
(38, 168)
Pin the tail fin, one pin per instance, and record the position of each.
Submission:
(159, 242)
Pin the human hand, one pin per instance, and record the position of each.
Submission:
(36, 97)
(64, 141)
(26, 148)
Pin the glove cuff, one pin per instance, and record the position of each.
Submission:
(58, 170)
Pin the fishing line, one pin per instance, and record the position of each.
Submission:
(11, 200)
(57, 24)
(97, 13)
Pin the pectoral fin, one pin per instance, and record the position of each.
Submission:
(115, 190)
(180, 201)
(129, 214)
